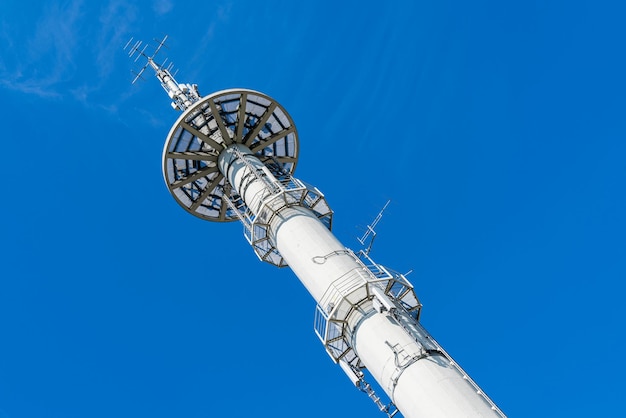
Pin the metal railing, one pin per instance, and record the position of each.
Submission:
(350, 291)
(281, 190)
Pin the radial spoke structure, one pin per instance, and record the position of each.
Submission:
(206, 129)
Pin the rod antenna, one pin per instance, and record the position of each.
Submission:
(370, 232)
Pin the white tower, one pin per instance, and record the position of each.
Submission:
(230, 156)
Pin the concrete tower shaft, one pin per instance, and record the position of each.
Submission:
(294, 230)
(416, 374)
(419, 377)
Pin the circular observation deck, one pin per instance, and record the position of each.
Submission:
(211, 125)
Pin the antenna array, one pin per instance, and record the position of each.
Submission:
(138, 50)
(182, 95)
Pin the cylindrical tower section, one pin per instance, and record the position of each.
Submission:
(310, 249)
(420, 381)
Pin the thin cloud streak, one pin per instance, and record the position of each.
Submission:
(162, 7)
(57, 62)
(49, 58)
(116, 21)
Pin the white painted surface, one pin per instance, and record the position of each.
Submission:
(427, 387)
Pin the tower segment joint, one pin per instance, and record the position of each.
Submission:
(431, 347)
(281, 191)
(342, 304)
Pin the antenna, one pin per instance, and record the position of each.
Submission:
(370, 230)
(182, 95)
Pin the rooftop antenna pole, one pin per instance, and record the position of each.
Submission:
(231, 156)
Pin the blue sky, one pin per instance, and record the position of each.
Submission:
(496, 128)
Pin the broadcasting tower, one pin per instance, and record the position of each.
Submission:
(231, 156)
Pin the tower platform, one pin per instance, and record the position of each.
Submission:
(237, 116)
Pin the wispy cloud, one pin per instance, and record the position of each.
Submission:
(223, 13)
(162, 7)
(223, 10)
(116, 21)
(44, 59)
(48, 58)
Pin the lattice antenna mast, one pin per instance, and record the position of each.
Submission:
(182, 95)
(370, 230)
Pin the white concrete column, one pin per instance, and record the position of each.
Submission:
(424, 388)
(429, 386)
